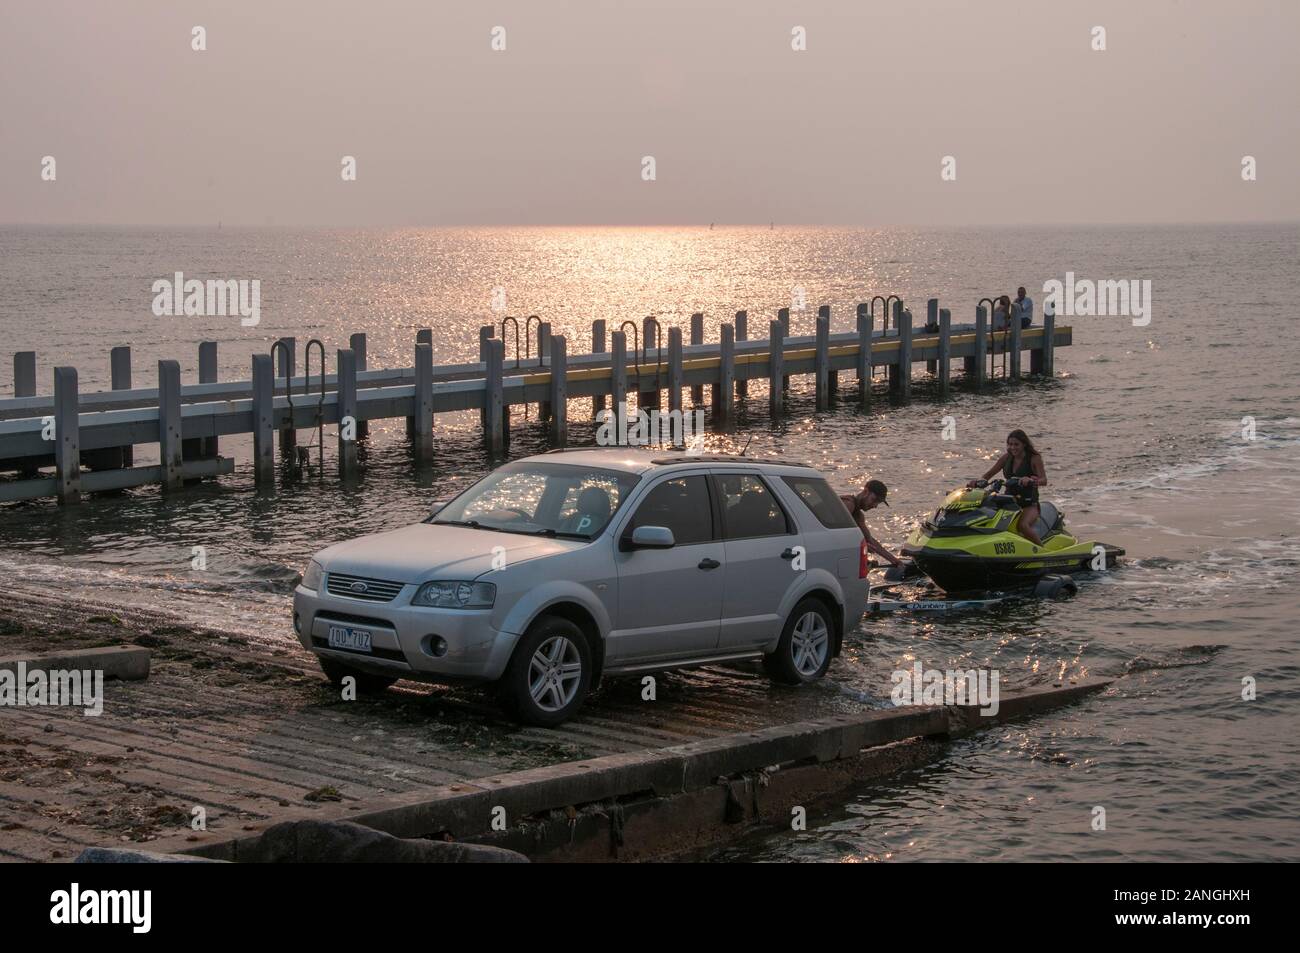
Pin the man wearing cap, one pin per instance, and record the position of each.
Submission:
(872, 495)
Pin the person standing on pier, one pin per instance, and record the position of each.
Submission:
(872, 495)
(1024, 307)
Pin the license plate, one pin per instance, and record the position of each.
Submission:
(355, 640)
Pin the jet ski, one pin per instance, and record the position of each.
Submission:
(972, 544)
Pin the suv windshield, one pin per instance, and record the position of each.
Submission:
(549, 499)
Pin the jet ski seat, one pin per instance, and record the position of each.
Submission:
(1049, 520)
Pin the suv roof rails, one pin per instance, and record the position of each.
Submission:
(694, 457)
(727, 458)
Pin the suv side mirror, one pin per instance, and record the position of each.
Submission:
(652, 537)
(438, 507)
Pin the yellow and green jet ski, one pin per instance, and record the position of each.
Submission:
(972, 543)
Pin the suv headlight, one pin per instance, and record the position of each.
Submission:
(311, 578)
(442, 594)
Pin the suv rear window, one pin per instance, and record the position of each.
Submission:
(818, 496)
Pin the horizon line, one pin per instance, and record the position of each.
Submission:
(657, 225)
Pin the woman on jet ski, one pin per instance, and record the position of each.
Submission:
(1025, 463)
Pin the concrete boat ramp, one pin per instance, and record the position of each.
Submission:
(247, 734)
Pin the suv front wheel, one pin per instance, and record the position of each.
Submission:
(549, 673)
(804, 653)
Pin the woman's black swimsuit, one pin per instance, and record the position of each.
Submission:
(1025, 495)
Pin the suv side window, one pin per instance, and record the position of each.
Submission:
(681, 504)
(749, 508)
(821, 499)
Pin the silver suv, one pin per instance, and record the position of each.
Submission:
(557, 569)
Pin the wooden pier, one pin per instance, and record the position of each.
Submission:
(89, 439)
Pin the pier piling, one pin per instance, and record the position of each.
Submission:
(742, 334)
(170, 450)
(724, 392)
(422, 336)
(486, 333)
(945, 351)
(263, 418)
(675, 368)
(67, 435)
(207, 362)
(493, 397)
(286, 367)
(931, 326)
(648, 398)
(864, 355)
(559, 431)
(975, 365)
(543, 341)
(346, 363)
(598, 347)
(119, 368)
(776, 365)
(203, 448)
(821, 362)
(119, 374)
(1014, 319)
(424, 400)
(25, 374)
(1047, 354)
(832, 375)
(358, 344)
(783, 315)
(618, 372)
(697, 337)
(903, 380)
(543, 350)
(894, 309)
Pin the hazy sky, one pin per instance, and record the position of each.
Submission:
(743, 129)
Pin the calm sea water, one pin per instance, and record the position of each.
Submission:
(1141, 430)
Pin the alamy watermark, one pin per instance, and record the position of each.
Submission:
(673, 428)
(1107, 298)
(75, 688)
(919, 686)
(178, 296)
(131, 908)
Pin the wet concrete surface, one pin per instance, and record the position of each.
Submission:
(246, 728)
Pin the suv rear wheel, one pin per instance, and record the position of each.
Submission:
(549, 674)
(804, 653)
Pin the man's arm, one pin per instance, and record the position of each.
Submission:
(872, 545)
(876, 548)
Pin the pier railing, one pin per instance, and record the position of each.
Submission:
(88, 439)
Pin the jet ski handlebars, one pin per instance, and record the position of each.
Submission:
(997, 485)
(996, 496)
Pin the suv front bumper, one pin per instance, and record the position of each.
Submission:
(402, 636)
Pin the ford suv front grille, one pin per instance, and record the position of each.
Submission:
(359, 587)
